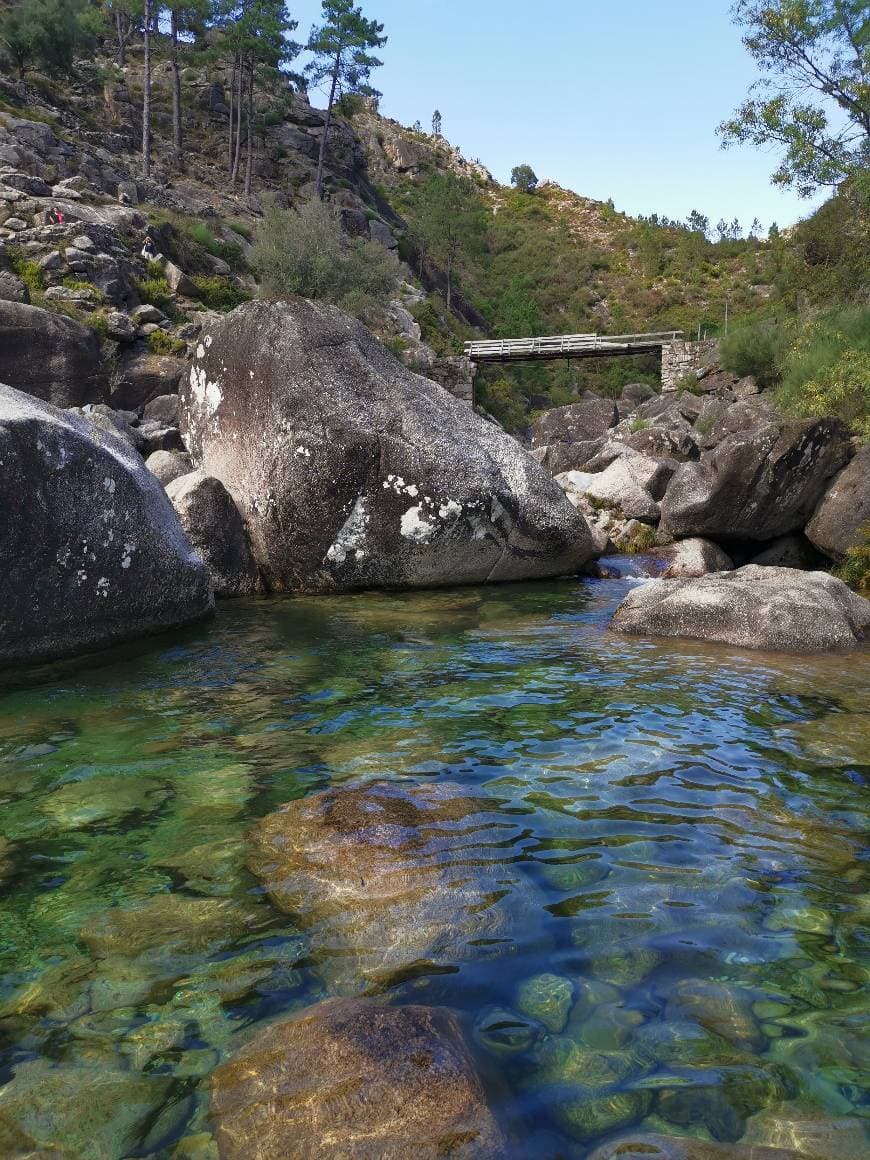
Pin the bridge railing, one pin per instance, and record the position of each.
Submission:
(564, 345)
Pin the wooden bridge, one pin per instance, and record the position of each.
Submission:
(504, 350)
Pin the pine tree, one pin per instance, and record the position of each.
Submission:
(340, 47)
(146, 92)
(436, 123)
(45, 34)
(450, 222)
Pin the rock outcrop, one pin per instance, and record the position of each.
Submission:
(350, 1079)
(589, 418)
(844, 509)
(758, 484)
(49, 356)
(215, 529)
(352, 472)
(92, 550)
(752, 607)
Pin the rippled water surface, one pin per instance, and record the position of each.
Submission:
(673, 831)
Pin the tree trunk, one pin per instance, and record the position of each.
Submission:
(249, 161)
(232, 99)
(122, 40)
(176, 93)
(322, 154)
(146, 96)
(239, 101)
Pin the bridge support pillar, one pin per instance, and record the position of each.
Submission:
(687, 358)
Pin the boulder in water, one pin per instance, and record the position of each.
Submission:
(216, 530)
(350, 1079)
(93, 553)
(752, 607)
(694, 557)
(352, 472)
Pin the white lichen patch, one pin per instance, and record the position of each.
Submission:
(103, 586)
(208, 395)
(109, 485)
(200, 351)
(415, 525)
(352, 534)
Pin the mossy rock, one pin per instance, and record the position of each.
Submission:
(546, 998)
(560, 1060)
(102, 798)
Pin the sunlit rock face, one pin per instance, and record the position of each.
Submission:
(353, 472)
(752, 607)
(389, 879)
(349, 1078)
(93, 553)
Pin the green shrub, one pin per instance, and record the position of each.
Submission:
(396, 344)
(504, 402)
(98, 324)
(855, 569)
(159, 342)
(755, 350)
(642, 540)
(305, 252)
(688, 383)
(28, 271)
(217, 293)
(240, 227)
(156, 292)
(639, 424)
(826, 370)
(153, 269)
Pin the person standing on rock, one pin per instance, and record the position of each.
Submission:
(55, 216)
(148, 251)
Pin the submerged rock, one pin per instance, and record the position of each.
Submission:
(546, 998)
(352, 472)
(758, 484)
(752, 607)
(216, 530)
(96, 554)
(382, 879)
(653, 1146)
(349, 1079)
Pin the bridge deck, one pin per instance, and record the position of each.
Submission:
(567, 346)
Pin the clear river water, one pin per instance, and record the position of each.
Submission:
(678, 829)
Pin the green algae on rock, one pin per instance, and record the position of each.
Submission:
(546, 998)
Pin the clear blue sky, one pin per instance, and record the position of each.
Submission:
(617, 99)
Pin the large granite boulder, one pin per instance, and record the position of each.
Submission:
(844, 509)
(588, 418)
(216, 530)
(350, 471)
(49, 356)
(757, 485)
(350, 1079)
(92, 550)
(379, 877)
(752, 607)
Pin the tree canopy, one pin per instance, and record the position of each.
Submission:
(813, 98)
(46, 34)
(524, 178)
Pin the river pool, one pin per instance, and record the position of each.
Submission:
(677, 827)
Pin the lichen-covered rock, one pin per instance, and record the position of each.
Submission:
(758, 484)
(143, 376)
(215, 529)
(351, 472)
(844, 509)
(49, 355)
(349, 1079)
(752, 607)
(93, 553)
(379, 877)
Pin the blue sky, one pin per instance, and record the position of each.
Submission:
(616, 99)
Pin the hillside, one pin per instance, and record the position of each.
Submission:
(547, 261)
